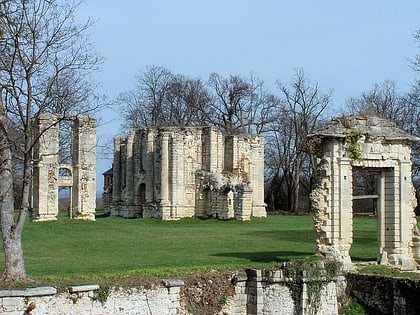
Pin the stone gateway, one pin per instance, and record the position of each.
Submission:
(357, 143)
(171, 173)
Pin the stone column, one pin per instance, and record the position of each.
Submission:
(149, 166)
(129, 195)
(345, 235)
(84, 168)
(392, 215)
(257, 177)
(381, 215)
(164, 178)
(406, 212)
(45, 173)
(175, 185)
(346, 203)
(116, 171)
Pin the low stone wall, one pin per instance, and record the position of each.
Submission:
(385, 295)
(92, 300)
(255, 294)
(259, 294)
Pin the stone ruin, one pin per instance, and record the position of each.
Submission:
(171, 173)
(49, 175)
(352, 144)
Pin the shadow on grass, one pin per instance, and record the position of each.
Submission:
(294, 236)
(362, 259)
(268, 257)
(102, 215)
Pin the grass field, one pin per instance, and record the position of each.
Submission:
(115, 247)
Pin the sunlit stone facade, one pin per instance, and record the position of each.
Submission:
(79, 175)
(172, 173)
(366, 144)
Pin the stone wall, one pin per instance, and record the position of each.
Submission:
(171, 173)
(260, 294)
(255, 294)
(91, 300)
(385, 295)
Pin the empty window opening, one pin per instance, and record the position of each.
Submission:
(365, 192)
(63, 171)
(65, 142)
(64, 200)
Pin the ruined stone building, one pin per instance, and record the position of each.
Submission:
(79, 175)
(172, 173)
(374, 145)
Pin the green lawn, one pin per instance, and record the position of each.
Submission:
(115, 247)
(365, 239)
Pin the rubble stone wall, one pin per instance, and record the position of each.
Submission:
(254, 295)
(385, 295)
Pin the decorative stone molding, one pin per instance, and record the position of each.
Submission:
(374, 144)
(49, 174)
(171, 173)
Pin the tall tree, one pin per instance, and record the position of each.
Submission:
(240, 104)
(162, 98)
(187, 102)
(386, 101)
(299, 113)
(45, 66)
(416, 61)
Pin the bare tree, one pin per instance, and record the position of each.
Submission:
(239, 104)
(300, 111)
(386, 101)
(382, 100)
(416, 61)
(187, 102)
(144, 106)
(45, 67)
(162, 98)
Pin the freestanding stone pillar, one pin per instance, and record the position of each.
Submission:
(84, 168)
(45, 174)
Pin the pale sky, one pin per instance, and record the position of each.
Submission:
(346, 46)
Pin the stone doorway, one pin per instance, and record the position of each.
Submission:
(373, 144)
(365, 191)
(78, 172)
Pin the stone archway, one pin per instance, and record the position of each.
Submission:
(49, 174)
(372, 143)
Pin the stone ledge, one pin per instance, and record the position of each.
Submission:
(40, 291)
(83, 288)
(173, 283)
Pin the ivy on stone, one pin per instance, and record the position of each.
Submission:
(316, 275)
(352, 144)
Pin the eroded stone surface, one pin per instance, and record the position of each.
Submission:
(369, 143)
(49, 174)
(172, 173)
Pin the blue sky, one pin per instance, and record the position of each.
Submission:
(346, 46)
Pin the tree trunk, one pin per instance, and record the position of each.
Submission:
(14, 261)
(296, 184)
(12, 233)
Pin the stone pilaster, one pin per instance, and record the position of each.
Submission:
(257, 176)
(45, 174)
(84, 168)
(164, 178)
